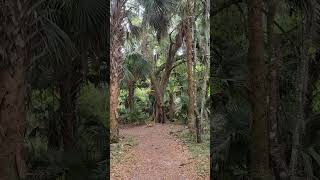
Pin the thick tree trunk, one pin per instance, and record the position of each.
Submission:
(259, 160)
(114, 93)
(302, 89)
(159, 84)
(188, 40)
(159, 111)
(13, 94)
(276, 150)
(14, 61)
(116, 64)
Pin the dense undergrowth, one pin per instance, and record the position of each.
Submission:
(88, 159)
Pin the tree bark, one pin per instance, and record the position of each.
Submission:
(259, 163)
(13, 94)
(67, 109)
(159, 111)
(206, 60)
(114, 93)
(116, 64)
(15, 58)
(69, 85)
(188, 41)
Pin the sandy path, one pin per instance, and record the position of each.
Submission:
(157, 156)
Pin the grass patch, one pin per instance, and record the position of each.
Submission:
(117, 150)
(200, 152)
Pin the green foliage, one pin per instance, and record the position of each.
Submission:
(68, 39)
(88, 160)
(142, 95)
(142, 104)
(60, 165)
(157, 14)
(42, 104)
(93, 104)
(316, 99)
(136, 67)
(136, 115)
(181, 102)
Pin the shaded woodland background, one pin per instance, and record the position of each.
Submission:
(54, 76)
(265, 89)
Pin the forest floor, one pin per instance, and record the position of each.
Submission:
(155, 153)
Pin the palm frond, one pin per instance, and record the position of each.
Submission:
(157, 14)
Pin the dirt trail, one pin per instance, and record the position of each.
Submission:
(157, 156)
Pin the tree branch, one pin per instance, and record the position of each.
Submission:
(162, 67)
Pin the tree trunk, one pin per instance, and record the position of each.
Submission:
(14, 60)
(194, 60)
(53, 135)
(13, 94)
(206, 60)
(218, 131)
(67, 109)
(69, 87)
(302, 89)
(188, 40)
(54, 140)
(259, 163)
(159, 111)
(197, 126)
(116, 64)
(159, 84)
(114, 93)
(276, 150)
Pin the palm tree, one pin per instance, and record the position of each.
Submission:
(28, 34)
(137, 68)
(116, 63)
(86, 26)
